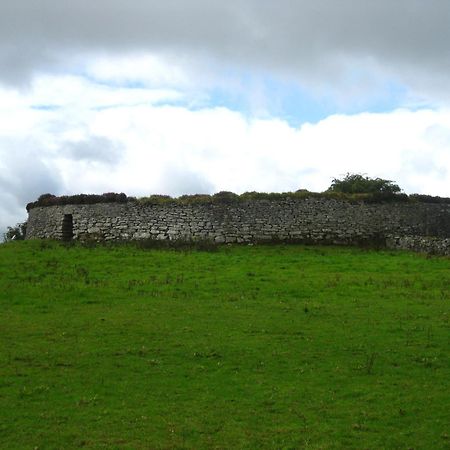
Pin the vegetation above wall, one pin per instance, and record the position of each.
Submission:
(355, 183)
(353, 188)
(79, 199)
(229, 197)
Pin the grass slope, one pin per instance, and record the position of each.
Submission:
(246, 347)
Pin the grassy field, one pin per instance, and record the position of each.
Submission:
(282, 347)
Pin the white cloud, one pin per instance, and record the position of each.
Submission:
(233, 152)
(141, 68)
(78, 93)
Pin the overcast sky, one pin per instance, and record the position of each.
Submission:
(198, 96)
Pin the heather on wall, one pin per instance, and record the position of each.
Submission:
(231, 197)
(79, 199)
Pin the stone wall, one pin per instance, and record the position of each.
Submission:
(423, 244)
(310, 220)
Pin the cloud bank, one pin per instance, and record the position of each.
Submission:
(318, 41)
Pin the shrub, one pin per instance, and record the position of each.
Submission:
(428, 198)
(79, 199)
(360, 184)
(45, 197)
(16, 233)
(195, 199)
(264, 195)
(225, 197)
(156, 199)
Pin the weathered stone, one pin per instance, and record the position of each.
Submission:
(419, 226)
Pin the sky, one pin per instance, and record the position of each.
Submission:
(199, 96)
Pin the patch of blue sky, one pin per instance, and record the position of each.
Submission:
(254, 98)
(297, 104)
(111, 82)
(119, 105)
(383, 97)
(294, 103)
(264, 96)
(45, 107)
(122, 84)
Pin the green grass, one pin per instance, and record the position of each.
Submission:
(246, 347)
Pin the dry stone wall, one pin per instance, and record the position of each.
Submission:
(423, 244)
(310, 220)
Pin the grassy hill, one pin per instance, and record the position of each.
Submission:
(243, 347)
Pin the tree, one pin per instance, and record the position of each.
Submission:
(16, 233)
(355, 183)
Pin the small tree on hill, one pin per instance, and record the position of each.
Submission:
(16, 233)
(355, 183)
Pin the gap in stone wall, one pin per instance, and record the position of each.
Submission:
(67, 227)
